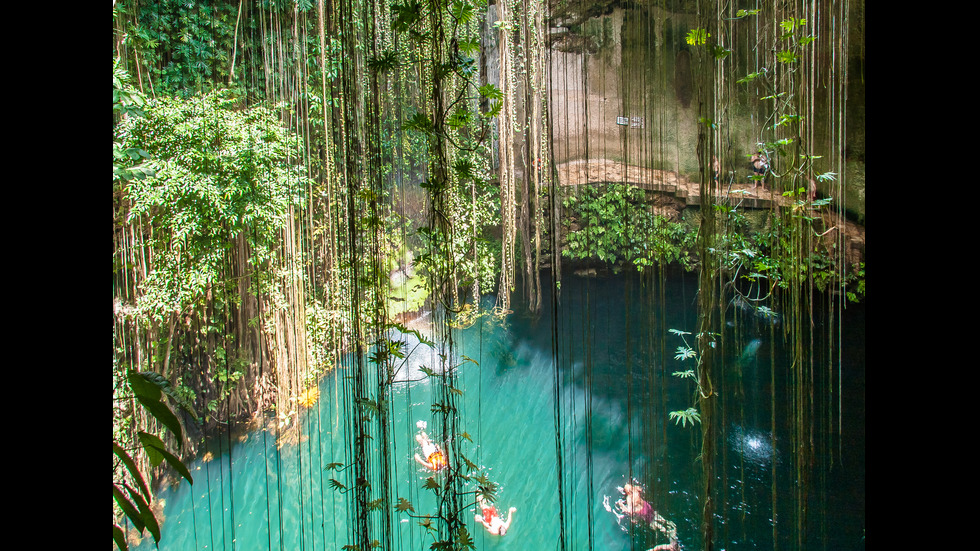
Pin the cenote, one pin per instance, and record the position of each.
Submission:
(337, 225)
(598, 387)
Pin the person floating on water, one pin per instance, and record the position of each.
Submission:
(638, 509)
(491, 520)
(435, 458)
(634, 505)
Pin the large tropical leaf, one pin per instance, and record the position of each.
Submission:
(134, 471)
(150, 394)
(157, 452)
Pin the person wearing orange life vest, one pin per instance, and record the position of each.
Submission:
(434, 456)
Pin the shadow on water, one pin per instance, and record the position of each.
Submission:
(603, 425)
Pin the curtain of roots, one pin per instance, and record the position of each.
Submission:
(383, 102)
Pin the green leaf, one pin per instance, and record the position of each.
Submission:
(786, 119)
(384, 62)
(683, 417)
(748, 78)
(151, 521)
(405, 15)
(369, 405)
(786, 56)
(132, 468)
(790, 24)
(418, 335)
(490, 91)
(149, 394)
(158, 452)
(462, 11)
(119, 537)
(419, 122)
(404, 505)
(128, 508)
(684, 353)
(464, 168)
(495, 109)
(469, 46)
(697, 37)
(145, 514)
(463, 538)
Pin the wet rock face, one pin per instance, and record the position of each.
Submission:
(683, 81)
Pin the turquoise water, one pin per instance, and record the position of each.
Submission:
(614, 393)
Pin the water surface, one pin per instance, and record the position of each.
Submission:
(613, 357)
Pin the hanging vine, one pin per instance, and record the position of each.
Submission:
(299, 166)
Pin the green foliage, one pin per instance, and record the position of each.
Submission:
(697, 37)
(786, 56)
(384, 62)
(749, 77)
(791, 24)
(685, 353)
(745, 13)
(682, 418)
(225, 174)
(614, 225)
(405, 16)
(126, 100)
(147, 390)
(185, 47)
(404, 505)
(130, 492)
(772, 257)
(128, 163)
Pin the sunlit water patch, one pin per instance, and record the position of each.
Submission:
(754, 446)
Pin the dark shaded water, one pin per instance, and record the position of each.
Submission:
(615, 359)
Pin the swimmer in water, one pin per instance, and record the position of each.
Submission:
(632, 505)
(491, 520)
(636, 508)
(435, 457)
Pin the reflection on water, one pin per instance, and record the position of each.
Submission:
(752, 445)
(602, 426)
(418, 357)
